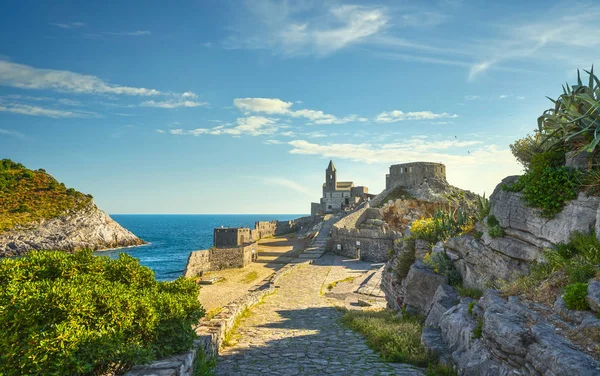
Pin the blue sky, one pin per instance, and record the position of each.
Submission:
(237, 107)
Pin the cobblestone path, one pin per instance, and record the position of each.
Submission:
(297, 331)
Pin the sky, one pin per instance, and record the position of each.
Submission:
(238, 106)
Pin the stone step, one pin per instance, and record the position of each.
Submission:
(311, 255)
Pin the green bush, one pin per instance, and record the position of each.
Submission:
(466, 292)
(492, 221)
(470, 307)
(438, 369)
(547, 186)
(441, 263)
(477, 332)
(575, 296)
(579, 257)
(67, 314)
(443, 225)
(483, 207)
(496, 231)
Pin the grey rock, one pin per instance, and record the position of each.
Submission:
(89, 228)
(577, 215)
(422, 247)
(420, 285)
(593, 296)
(445, 298)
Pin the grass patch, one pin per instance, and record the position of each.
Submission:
(331, 285)
(212, 313)
(397, 339)
(250, 277)
(203, 366)
(470, 308)
(227, 341)
(478, 329)
(440, 370)
(466, 292)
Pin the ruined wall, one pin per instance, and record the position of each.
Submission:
(315, 208)
(414, 174)
(198, 263)
(364, 226)
(227, 258)
(295, 225)
(265, 229)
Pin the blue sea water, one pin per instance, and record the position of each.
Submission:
(173, 237)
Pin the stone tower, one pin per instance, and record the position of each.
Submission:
(330, 178)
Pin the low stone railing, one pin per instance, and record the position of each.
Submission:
(211, 333)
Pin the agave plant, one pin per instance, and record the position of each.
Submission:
(575, 119)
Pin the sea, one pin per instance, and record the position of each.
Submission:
(172, 237)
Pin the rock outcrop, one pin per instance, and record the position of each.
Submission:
(514, 339)
(89, 228)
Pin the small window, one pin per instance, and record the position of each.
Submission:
(410, 169)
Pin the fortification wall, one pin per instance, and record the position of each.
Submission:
(295, 225)
(198, 263)
(265, 229)
(414, 174)
(236, 257)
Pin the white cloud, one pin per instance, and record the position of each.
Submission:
(276, 106)
(27, 77)
(251, 125)
(71, 25)
(173, 104)
(160, 131)
(286, 29)
(471, 164)
(11, 133)
(472, 97)
(289, 184)
(105, 34)
(520, 98)
(396, 115)
(503, 96)
(24, 109)
(274, 142)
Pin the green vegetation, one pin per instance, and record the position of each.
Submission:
(483, 207)
(575, 296)
(443, 225)
(478, 329)
(398, 339)
(203, 366)
(576, 262)
(68, 314)
(331, 285)
(250, 277)
(405, 259)
(466, 292)
(441, 263)
(496, 231)
(570, 127)
(470, 307)
(27, 196)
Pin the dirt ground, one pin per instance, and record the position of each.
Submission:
(273, 253)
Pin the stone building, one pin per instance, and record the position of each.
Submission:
(231, 236)
(338, 195)
(414, 174)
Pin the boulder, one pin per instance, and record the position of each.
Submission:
(527, 224)
(445, 298)
(420, 286)
(593, 296)
(479, 264)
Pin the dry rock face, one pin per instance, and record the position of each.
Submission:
(515, 340)
(87, 228)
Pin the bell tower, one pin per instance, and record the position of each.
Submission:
(330, 178)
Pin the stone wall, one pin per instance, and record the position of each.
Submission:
(296, 225)
(198, 263)
(231, 237)
(333, 201)
(211, 333)
(227, 258)
(374, 237)
(265, 229)
(413, 174)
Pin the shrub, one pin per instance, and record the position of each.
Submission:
(470, 307)
(443, 225)
(483, 207)
(81, 314)
(405, 259)
(496, 231)
(466, 292)
(547, 186)
(525, 148)
(441, 263)
(477, 332)
(575, 296)
(492, 221)
(398, 339)
(439, 369)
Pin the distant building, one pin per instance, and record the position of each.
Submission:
(338, 195)
(414, 174)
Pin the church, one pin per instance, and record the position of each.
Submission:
(338, 195)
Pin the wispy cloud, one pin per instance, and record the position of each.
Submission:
(27, 77)
(16, 134)
(289, 184)
(472, 97)
(70, 25)
(396, 115)
(187, 99)
(567, 33)
(251, 125)
(285, 29)
(276, 106)
(104, 34)
(24, 109)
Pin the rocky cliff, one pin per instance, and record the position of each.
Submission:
(500, 334)
(88, 227)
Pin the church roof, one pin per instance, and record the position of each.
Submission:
(343, 185)
(331, 167)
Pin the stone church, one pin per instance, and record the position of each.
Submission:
(338, 195)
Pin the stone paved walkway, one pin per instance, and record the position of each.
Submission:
(297, 332)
